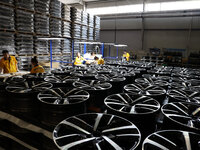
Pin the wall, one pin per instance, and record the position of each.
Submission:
(165, 32)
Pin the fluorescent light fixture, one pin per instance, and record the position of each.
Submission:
(120, 45)
(116, 9)
(51, 38)
(90, 43)
(174, 5)
(109, 44)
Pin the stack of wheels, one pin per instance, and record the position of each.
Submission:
(141, 110)
(58, 103)
(61, 80)
(22, 99)
(117, 80)
(153, 81)
(34, 77)
(153, 91)
(65, 71)
(3, 95)
(98, 91)
(85, 75)
(96, 131)
(183, 95)
(128, 73)
(181, 116)
(172, 140)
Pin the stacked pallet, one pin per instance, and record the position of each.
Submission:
(56, 46)
(7, 18)
(41, 24)
(24, 21)
(42, 6)
(24, 44)
(7, 42)
(41, 46)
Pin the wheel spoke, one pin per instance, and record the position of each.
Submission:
(112, 143)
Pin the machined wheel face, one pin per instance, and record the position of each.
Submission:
(63, 96)
(132, 104)
(145, 89)
(26, 87)
(84, 73)
(14, 79)
(92, 85)
(35, 76)
(152, 81)
(113, 77)
(61, 79)
(184, 114)
(96, 131)
(184, 96)
(172, 140)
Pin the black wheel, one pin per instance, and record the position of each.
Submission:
(141, 110)
(153, 91)
(59, 103)
(172, 140)
(61, 81)
(35, 77)
(85, 75)
(181, 115)
(152, 81)
(183, 95)
(23, 96)
(96, 131)
(117, 80)
(98, 90)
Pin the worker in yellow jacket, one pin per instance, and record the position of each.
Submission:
(79, 59)
(126, 56)
(98, 61)
(36, 67)
(8, 64)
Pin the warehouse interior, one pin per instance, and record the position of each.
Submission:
(100, 74)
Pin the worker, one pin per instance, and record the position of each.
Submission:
(98, 61)
(8, 64)
(79, 59)
(101, 61)
(36, 67)
(126, 56)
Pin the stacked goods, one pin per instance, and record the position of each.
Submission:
(75, 15)
(90, 33)
(96, 28)
(56, 46)
(84, 18)
(24, 21)
(66, 29)
(41, 46)
(90, 20)
(41, 24)
(55, 8)
(25, 4)
(6, 17)
(42, 6)
(66, 46)
(24, 44)
(66, 13)
(7, 42)
(10, 2)
(55, 27)
(84, 32)
(24, 63)
(76, 31)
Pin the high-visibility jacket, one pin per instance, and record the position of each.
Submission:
(9, 65)
(78, 61)
(127, 56)
(101, 61)
(37, 69)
